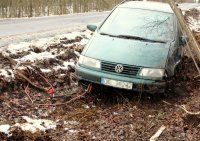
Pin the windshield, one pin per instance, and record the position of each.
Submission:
(153, 25)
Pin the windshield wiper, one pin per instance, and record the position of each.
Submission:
(139, 38)
(132, 37)
(103, 33)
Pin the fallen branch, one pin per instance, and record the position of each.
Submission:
(158, 133)
(87, 91)
(166, 102)
(26, 92)
(50, 91)
(183, 107)
(20, 74)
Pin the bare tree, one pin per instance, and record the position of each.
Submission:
(30, 8)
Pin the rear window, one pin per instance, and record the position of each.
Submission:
(148, 24)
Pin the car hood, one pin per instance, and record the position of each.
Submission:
(127, 51)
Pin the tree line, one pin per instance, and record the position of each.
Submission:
(30, 8)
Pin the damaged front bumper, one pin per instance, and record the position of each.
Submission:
(141, 85)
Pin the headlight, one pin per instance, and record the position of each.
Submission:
(89, 62)
(156, 73)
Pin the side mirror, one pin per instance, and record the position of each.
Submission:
(183, 40)
(92, 27)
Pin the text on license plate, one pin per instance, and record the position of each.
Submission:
(116, 83)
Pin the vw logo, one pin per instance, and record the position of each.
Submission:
(119, 68)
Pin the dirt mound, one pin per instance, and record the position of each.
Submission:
(112, 114)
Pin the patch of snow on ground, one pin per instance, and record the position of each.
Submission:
(69, 126)
(45, 70)
(83, 41)
(194, 24)
(48, 48)
(43, 42)
(34, 125)
(36, 56)
(66, 64)
(64, 67)
(5, 128)
(7, 74)
(69, 36)
(15, 48)
(188, 6)
(26, 46)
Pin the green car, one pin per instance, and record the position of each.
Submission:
(137, 47)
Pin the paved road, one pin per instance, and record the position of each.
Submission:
(13, 27)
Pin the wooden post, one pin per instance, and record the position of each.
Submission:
(185, 27)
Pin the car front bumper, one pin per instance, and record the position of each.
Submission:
(93, 76)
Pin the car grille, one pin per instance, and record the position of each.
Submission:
(127, 69)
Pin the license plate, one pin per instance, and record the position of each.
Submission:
(116, 83)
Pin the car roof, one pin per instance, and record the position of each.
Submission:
(149, 5)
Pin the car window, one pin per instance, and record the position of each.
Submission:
(148, 24)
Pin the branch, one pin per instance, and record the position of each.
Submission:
(18, 72)
(51, 89)
(183, 107)
(158, 133)
(73, 99)
(26, 92)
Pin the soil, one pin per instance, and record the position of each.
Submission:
(104, 113)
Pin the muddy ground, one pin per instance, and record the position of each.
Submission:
(103, 113)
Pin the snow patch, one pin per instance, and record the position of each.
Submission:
(65, 65)
(188, 6)
(15, 48)
(69, 36)
(32, 57)
(7, 74)
(33, 125)
(45, 70)
(198, 8)
(5, 128)
(41, 49)
(194, 24)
